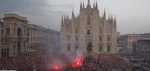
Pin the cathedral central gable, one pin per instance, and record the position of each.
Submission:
(88, 11)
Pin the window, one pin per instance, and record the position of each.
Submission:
(100, 38)
(14, 31)
(108, 48)
(88, 20)
(27, 39)
(100, 48)
(76, 30)
(1, 39)
(108, 38)
(68, 38)
(101, 30)
(76, 38)
(7, 31)
(88, 32)
(88, 23)
(28, 34)
(76, 48)
(68, 48)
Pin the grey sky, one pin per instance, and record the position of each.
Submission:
(132, 15)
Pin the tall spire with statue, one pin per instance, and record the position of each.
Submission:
(88, 2)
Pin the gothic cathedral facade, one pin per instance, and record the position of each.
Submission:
(87, 27)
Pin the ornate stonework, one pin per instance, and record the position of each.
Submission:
(88, 26)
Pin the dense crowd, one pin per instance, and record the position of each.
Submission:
(47, 61)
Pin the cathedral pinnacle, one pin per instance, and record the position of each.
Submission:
(83, 3)
(94, 4)
(62, 21)
(88, 2)
(109, 17)
(62, 17)
(104, 14)
(115, 17)
(72, 13)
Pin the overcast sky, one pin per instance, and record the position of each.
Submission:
(133, 16)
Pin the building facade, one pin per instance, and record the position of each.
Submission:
(87, 27)
(13, 35)
(17, 36)
(39, 37)
(126, 41)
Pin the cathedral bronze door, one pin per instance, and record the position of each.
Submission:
(19, 48)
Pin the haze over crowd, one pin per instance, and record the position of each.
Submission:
(132, 15)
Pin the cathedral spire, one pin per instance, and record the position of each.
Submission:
(72, 13)
(96, 4)
(88, 2)
(62, 21)
(109, 17)
(83, 4)
(67, 16)
(115, 20)
(115, 17)
(64, 17)
(104, 13)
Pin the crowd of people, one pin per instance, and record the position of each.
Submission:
(49, 61)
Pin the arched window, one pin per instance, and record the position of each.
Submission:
(108, 48)
(100, 48)
(7, 31)
(108, 38)
(68, 48)
(68, 38)
(100, 38)
(19, 32)
(88, 32)
(88, 20)
(76, 30)
(101, 31)
(76, 48)
(76, 38)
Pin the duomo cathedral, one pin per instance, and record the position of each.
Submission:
(87, 27)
